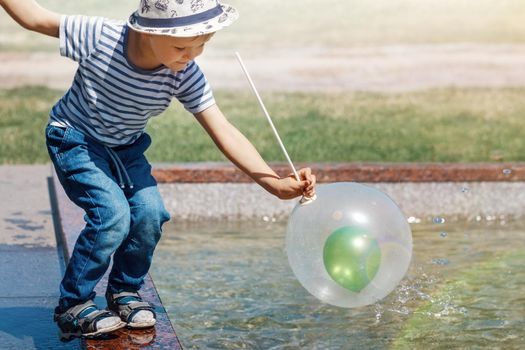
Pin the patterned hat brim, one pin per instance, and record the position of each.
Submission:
(228, 16)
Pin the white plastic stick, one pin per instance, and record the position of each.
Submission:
(267, 115)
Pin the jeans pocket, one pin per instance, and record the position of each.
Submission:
(141, 144)
(56, 138)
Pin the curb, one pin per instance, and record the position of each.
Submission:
(359, 172)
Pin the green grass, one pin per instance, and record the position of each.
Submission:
(328, 23)
(446, 125)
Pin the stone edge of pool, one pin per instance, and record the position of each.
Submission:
(215, 191)
(163, 336)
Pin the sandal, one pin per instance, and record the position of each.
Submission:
(127, 305)
(84, 320)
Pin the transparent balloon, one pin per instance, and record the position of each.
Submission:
(351, 246)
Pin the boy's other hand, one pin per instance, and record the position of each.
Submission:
(288, 187)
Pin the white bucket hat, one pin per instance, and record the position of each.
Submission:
(182, 18)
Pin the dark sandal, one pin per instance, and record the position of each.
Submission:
(127, 310)
(72, 325)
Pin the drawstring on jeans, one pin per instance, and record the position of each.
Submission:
(121, 169)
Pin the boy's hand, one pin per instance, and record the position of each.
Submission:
(288, 187)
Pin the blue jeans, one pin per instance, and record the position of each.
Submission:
(126, 223)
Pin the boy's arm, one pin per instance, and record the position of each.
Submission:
(236, 147)
(30, 15)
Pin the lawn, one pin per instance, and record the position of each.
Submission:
(445, 125)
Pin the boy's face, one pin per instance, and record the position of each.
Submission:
(175, 53)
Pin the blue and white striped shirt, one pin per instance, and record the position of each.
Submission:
(110, 99)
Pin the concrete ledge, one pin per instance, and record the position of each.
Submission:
(358, 172)
(163, 336)
(470, 201)
(464, 191)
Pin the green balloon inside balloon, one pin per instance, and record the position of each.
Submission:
(351, 257)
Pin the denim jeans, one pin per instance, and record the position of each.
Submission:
(126, 223)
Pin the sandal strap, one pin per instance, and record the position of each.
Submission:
(70, 319)
(127, 311)
(116, 296)
(88, 324)
(76, 310)
(71, 314)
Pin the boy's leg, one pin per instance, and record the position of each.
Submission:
(132, 259)
(83, 169)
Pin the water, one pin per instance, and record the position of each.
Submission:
(229, 286)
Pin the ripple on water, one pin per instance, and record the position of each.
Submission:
(234, 290)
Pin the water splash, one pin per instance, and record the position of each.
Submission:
(438, 220)
(379, 312)
(440, 261)
(408, 293)
(266, 218)
(413, 220)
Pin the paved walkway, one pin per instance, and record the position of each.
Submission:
(30, 263)
(383, 68)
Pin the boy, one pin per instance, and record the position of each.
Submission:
(129, 72)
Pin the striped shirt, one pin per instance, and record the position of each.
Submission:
(110, 99)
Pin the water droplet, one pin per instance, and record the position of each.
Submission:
(440, 261)
(438, 220)
(443, 234)
(413, 220)
(379, 312)
(507, 172)
(463, 310)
